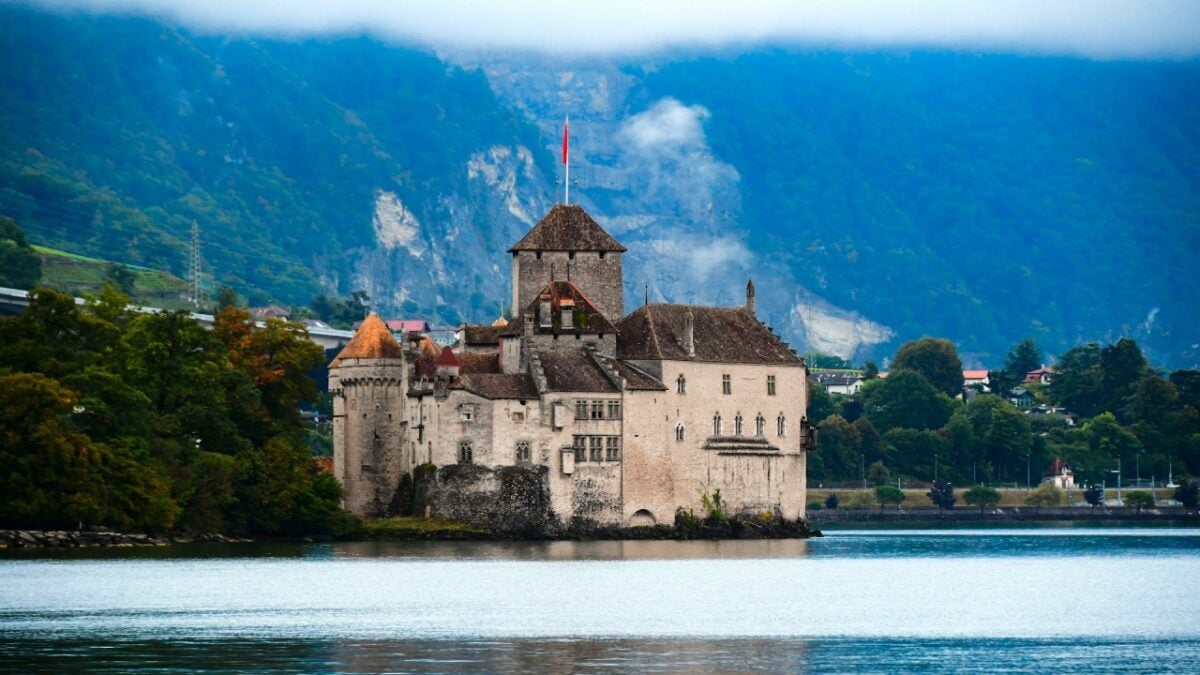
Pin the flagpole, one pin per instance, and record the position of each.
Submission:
(567, 161)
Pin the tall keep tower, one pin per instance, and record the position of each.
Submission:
(368, 382)
(567, 245)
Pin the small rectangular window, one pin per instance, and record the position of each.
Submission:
(466, 413)
(518, 417)
(770, 385)
(614, 410)
(567, 316)
(581, 410)
(523, 452)
(612, 448)
(726, 385)
(596, 448)
(577, 442)
(597, 410)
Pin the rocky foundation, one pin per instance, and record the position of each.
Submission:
(98, 538)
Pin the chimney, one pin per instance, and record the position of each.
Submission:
(750, 298)
(689, 333)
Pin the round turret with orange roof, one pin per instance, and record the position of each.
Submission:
(372, 341)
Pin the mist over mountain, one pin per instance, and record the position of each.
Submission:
(874, 197)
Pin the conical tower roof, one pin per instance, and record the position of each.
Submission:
(567, 228)
(372, 341)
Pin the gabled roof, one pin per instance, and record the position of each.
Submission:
(732, 335)
(975, 374)
(470, 364)
(478, 334)
(372, 341)
(585, 318)
(567, 228)
(497, 386)
(447, 358)
(574, 370)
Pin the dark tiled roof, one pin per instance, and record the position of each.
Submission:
(721, 334)
(475, 334)
(497, 386)
(586, 319)
(573, 370)
(469, 364)
(636, 379)
(567, 228)
(372, 341)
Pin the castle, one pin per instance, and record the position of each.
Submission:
(622, 418)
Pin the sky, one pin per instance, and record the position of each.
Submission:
(1103, 29)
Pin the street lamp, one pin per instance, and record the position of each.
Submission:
(1118, 472)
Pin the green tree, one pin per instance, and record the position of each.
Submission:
(942, 495)
(1076, 383)
(1022, 358)
(934, 358)
(831, 501)
(878, 474)
(840, 449)
(820, 403)
(871, 443)
(1122, 366)
(1139, 499)
(982, 496)
(1046, 494)
(122, 277)
(888, 494)
(1188, 494)
(905, 399)
(870, 370)
(1094, 495)
(915, 452)
(20, 265)
(226, 297)
(1008, 440)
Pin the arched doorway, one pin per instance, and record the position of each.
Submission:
(642, 518)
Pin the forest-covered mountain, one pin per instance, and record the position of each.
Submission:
(874, 197)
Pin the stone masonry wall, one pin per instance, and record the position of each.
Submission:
(599, 278)
(368, 431)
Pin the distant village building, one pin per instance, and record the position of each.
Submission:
(623, 418)
(270, 312)
(1042, 375)
(1059, 475)
(972, 378)
(845, 383)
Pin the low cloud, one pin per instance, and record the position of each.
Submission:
(667, 127)
(705, 258)
(1093, 28)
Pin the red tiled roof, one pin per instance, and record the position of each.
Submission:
(447, 358)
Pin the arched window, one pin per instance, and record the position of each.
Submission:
(781, 425)
(737, 425)
(760, 425)
(679, 432)
(523, 453)
(717, 424)
(681, 384)
(465, 454)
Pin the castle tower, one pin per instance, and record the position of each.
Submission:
(368, 383)
(568, 245)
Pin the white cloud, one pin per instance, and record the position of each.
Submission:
(668, 126)
(1096, 28)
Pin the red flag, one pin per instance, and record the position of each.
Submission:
(566, 139)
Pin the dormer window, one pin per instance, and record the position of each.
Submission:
(544, 314)
(567, 318)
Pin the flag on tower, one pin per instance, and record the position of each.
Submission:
(566, 138)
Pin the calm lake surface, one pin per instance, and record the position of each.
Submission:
(985, 600)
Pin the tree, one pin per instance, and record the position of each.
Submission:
(1008, 440)
(1046, 494)
(839, 446)
(914, 452)
(1076, 383)
(1094, 495)
(982, 496)
(877, 474)
(1022, 358)
(870, 441)
(942, 495)
(226, 297)
(820, 403)
(20, 265)
(1188, 494)
(934, 358)
(1122, 366)
(831, 502)
(122, 277)
(888, 494)
(1139, 499)
(870, 370)
(906, 399)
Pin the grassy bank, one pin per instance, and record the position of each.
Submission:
(1009, 497)
(79, 275)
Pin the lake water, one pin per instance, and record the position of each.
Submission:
(875, 600)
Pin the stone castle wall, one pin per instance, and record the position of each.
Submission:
(598, 277)
(368, 431)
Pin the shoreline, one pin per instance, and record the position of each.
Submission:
(1172, 516)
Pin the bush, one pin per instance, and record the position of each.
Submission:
(888, 494)
(1046, 494)
(831, 502)
(982, 496)
(1139, 499)
(814, 505)
(861, 499)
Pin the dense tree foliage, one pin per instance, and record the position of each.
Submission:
(20, 265)
(1140, 424)
(942, 494)
(150, 421)
(936, 360)
(981, 496)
